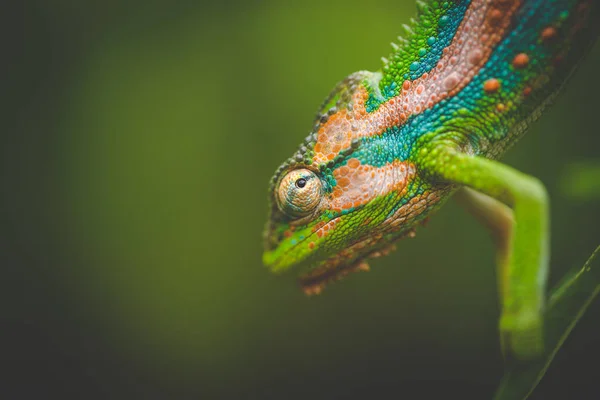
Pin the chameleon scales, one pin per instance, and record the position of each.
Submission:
(388, 148)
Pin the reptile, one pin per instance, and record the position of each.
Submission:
(389, 148)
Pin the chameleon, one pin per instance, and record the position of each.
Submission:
(388, 148)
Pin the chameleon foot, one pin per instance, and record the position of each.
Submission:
(522, 335)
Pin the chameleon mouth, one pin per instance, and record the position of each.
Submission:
(300, 253)
(278, 262)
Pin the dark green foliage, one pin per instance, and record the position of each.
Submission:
(568, 302)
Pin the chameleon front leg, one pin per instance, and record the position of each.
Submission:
(524, 259)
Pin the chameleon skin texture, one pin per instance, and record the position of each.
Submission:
(473, 73)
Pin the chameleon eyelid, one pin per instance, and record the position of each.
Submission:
(299, 193)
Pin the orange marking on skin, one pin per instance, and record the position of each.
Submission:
(318, 226)
(365, 182)
(495, 16)
(325, 230)
(344, 170)
(527, 91)
(491, 85)
(359, 99)
(343, 182)
(353, 163)
(311, 245)
(549, 33)
(520, 61)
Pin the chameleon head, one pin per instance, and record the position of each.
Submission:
(310, 228)
(344, 196)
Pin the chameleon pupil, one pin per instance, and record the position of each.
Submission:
(300, 183)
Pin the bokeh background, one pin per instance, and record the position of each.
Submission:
(138, 139)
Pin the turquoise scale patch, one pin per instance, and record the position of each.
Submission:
(383, 149)
(447, 27)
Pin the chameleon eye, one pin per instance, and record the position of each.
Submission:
(299, 193)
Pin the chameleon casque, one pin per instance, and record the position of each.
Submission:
(388, 148)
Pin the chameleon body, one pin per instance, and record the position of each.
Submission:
(388, 148)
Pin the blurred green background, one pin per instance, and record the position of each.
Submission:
(138, 140)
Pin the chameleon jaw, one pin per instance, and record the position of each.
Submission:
(334, 269)
(314, 282)
(293, 252)
(338, 267)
